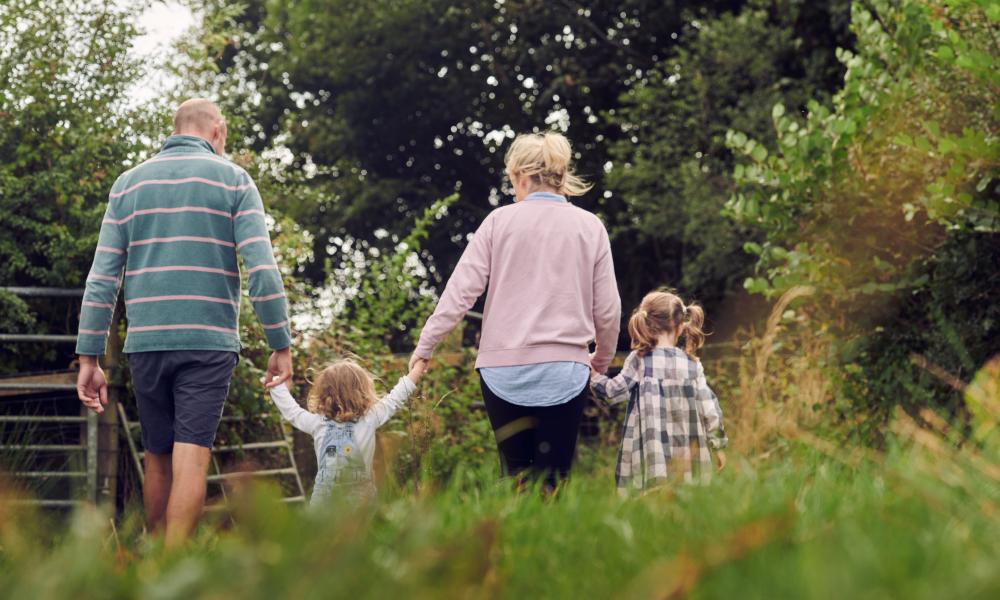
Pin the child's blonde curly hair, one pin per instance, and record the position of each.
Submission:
(343, 391)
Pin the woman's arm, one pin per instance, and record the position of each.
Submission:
(616, 389)
(466, 284)
(607, 309)
(300, 418)
(393, 401)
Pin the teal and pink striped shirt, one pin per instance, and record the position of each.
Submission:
(171, 232)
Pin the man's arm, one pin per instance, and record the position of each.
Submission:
(607, 307)
(99, 298)
(267, 293)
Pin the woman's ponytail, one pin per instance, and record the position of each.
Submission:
(545, 158)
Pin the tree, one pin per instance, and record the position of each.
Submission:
(66, 131)
(886, 203)
(671, 167)
(392, 105)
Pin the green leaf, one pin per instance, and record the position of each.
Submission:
(777, 111)
(945, 53)
(903, 140)
(759, 153)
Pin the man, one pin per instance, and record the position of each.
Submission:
(172, 229)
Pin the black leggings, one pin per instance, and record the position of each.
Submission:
(540, 439)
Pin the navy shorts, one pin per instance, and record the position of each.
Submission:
(180, 394)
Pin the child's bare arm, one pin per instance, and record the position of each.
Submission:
(300, 418)
(616, 389)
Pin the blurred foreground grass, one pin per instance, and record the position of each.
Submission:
(814, 521)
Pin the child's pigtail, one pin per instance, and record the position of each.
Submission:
(692, 329)
(642, 334)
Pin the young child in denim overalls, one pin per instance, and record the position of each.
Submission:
(343, 414)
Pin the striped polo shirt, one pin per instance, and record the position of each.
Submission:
(171, 233)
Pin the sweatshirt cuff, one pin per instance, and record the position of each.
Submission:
(91, 348)
(279, 339)
(424, 350)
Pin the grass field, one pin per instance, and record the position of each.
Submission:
(811, 521)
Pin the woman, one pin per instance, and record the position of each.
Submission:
(552, 291)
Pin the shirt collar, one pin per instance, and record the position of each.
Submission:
(545, 196)
(186, 143)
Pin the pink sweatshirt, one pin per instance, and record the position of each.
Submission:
(552, 288)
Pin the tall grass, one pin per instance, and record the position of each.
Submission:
(919, 521)
(797, 514)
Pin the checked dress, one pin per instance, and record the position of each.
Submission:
(672, 422)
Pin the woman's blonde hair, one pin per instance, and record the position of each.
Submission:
(343, 392)
(544, 159)
(663, 312)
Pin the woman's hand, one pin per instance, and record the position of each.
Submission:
(417, 369)
(720, 460)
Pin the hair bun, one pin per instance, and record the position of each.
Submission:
(545, 158)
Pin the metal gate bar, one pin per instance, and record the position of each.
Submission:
(219, 477)
(90, 420)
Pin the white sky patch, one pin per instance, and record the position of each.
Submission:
(162, 24)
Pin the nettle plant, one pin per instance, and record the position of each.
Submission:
(858, 196)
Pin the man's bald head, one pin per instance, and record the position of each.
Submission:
(201, 118)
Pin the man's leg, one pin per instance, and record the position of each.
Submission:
(156, 490)
(152, 383)
(201, 384)
(187, 492)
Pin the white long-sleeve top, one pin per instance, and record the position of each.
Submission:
(329, 435)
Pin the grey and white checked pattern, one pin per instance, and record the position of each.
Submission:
(673, 418)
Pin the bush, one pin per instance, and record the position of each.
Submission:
(886, 205)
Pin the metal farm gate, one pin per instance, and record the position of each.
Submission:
(63, 455)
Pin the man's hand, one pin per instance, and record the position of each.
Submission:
(720, 460)
(91, 385)
(279, 368)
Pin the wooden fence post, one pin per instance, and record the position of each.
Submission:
(107, 442)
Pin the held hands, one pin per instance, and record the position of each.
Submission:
(91, 385)
(279, 368)
(417, 369)
(593, 371)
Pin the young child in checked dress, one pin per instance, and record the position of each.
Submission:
(343, 414)
(674, 421)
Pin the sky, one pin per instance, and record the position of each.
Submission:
(163, 22)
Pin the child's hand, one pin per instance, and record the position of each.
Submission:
(720, 460)
(417, 372)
